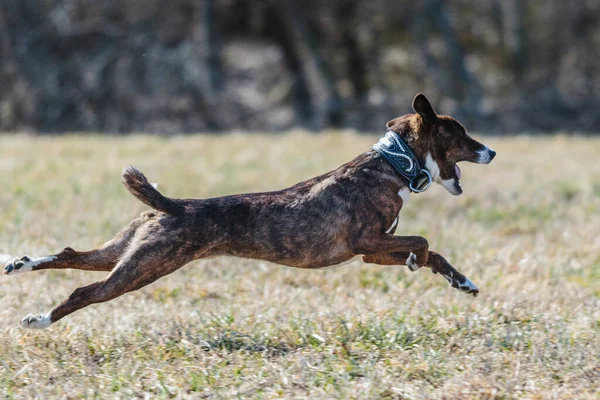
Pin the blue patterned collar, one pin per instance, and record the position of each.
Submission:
(397, 153)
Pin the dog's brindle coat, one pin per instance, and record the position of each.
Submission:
(323, 221)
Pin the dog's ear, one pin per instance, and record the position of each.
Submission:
(399, 124)
(422, 107)
(391, 124)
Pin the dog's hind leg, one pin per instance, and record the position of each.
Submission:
(140, 266)
(103, 258)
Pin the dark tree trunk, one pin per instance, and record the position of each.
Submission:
(305, 38)
(356, 64)
(279, 29)
(464, 82)
(215, 67)
(514, 36)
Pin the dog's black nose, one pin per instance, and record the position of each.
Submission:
(492, 154)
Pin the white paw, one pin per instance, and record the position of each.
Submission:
(18, 265)
(466, 286)
(469, 286)
(31, 321)
(411, 262)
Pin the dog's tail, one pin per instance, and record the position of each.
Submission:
(138, 185)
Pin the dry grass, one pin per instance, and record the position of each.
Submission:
(526, 231)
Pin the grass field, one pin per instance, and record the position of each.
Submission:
(526, 231)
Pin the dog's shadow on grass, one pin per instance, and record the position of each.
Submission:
(235, 341)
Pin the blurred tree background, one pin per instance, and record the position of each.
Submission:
(217, 65)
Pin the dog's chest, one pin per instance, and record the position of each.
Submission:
(404, 194)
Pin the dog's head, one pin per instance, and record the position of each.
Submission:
(441, 142)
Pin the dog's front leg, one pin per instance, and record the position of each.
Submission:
(438, 264)
(413, 251)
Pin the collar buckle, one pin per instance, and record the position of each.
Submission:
(423, 183)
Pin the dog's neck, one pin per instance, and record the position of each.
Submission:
(396, 151)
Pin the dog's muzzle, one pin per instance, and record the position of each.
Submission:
(485, 155)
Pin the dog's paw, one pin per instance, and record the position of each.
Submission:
(469, 287)
(25, 264)
(411, 262)
(40, 321)
(18, 265)
(465, 286)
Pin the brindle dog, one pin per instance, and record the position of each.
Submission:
(351, 211)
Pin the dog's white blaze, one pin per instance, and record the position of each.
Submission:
(434, 170)
(394, 224)
(448, 184)
(404, 194)
(484, 155)
(37, 322)
(432, 167)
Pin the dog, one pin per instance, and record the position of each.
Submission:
(349, 212)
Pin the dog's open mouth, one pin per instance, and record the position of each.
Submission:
(457, 188)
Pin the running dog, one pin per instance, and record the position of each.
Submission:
(349, 212)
